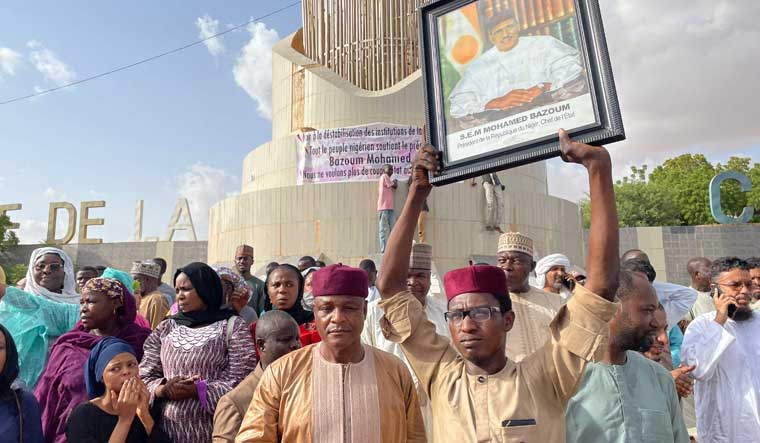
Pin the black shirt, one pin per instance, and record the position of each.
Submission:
(90, 424)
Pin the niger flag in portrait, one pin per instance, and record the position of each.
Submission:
(460, 43)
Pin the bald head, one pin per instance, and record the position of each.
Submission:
(277, 334)
(699, 271)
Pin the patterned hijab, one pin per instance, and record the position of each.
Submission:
(239, 285)
(115, 290)
(68, 293)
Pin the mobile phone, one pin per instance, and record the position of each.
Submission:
(731, 307)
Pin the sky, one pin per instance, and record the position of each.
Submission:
(180, 126)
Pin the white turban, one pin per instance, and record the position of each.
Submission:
(546, 264)
(69, 292)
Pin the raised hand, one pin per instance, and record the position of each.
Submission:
(684, 382)
(581, 153)
(425, 162)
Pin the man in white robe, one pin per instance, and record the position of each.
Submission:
(515, 70)
(418, 283)
(724, 347)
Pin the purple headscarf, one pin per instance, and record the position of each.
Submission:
(61, 387)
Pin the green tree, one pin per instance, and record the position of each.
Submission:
(7, 237)
(15, 273)
(685, 181)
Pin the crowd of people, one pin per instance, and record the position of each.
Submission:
(519, 351)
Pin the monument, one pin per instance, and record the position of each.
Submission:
(355, 62)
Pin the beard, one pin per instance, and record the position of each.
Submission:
(632, 340)
(742, 314)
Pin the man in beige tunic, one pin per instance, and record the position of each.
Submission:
(534, 308)
(478, 395)
(277, 334)
(338, 390)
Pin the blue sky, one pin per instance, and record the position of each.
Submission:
(182, 125)
(132, 135)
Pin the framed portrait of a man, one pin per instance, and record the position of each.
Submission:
(503, 76)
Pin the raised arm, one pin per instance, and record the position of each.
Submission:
(603, 261)
(395, 268)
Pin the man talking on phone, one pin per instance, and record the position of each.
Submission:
(724, 345)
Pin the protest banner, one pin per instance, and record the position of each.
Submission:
(356, 153)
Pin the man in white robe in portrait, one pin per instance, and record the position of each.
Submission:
(516, 70)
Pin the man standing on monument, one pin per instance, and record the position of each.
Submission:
(243, 264)
(338, 390)
(477, 394)
(385, 208)
(534, 308)
(494, 208)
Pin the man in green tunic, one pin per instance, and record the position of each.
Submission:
(626, 397)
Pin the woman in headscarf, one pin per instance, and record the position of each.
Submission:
(46, 308)
(19, 411)
(284, 288)
(118, 410)
(195, 357)
(107, 309)
(236, 294)
(36, 322)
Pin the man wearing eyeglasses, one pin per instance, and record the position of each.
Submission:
(724, 345)
(477, 394)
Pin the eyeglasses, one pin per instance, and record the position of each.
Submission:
(736, 286)
(478, 315)
(54, 267)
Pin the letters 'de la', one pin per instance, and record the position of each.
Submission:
(715, 203)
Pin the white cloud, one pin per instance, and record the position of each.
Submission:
(253, 68)
(53, 194)
(50, 66)
(9, 61)
(685, 80)
(203, 186)
(207, 27)
(32, 232)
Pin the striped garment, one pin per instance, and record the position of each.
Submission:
(173, 350)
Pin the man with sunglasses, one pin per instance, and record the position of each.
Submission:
(477, 394)
(724, 347)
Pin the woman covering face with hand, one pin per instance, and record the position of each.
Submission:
(118, 410)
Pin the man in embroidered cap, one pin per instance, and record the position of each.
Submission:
(418, 283)
(152, 303)
(243, 264)
(338, 390)
(477, 393)
(534, 308)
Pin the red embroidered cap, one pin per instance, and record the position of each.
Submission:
(340, 280)
(477, 278)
